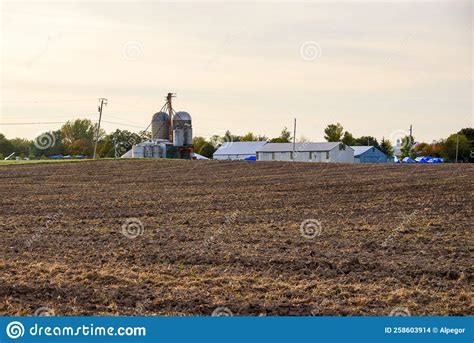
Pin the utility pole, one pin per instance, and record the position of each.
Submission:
(411, 139)
(169, 104)
(457, 147)
(294, 141)
(103, 101)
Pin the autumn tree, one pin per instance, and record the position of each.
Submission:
(79, 135)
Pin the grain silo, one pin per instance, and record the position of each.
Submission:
(171, 135)
(160, 126)
(182, 129)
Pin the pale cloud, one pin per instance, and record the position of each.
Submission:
(383, 66)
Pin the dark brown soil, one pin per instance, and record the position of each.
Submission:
(227, 234)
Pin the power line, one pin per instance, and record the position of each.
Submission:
(40, 101)
(64, 122)
(112, 122)
(37, 123)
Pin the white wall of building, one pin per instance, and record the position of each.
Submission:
(230, 157)
(335, 155)
(342, 156)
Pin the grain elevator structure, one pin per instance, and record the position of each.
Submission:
(171, 135)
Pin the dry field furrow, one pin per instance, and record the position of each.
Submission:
(221, 233)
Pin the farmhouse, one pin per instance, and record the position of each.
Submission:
(237, 150)
(369, 154)
(307, 152)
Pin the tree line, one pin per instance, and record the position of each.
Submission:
(74, 138)
(77, 137)
(458, 145)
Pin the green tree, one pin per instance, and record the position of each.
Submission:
(207, 150)
(198, 142)
(121, 141)
(285, 137)
(217, 140)
(407, 147)
(229, 137)
(453, 142)
(386, 147)
(348, 139)
(249, 137)
(144, 135)
(48, 144)
(21, 146)
(6, 147)
(333, 132)
(469, 133)
(368, 140)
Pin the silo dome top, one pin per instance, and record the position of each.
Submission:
(182, 116)
(160, 117)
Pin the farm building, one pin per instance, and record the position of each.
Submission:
(237, 150)
(369, 154)
(307, 152)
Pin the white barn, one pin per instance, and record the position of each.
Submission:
(237, 150)
(326, 152)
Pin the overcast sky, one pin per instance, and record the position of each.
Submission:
(374, 67)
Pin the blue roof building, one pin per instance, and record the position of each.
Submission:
(369, 154)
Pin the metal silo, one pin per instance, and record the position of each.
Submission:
(160, 126)
(182, 122)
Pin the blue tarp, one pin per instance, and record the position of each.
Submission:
(408, 160)
(428, 159)
(251, 158)
(436, 160)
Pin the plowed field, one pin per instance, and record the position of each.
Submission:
(189, 237)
